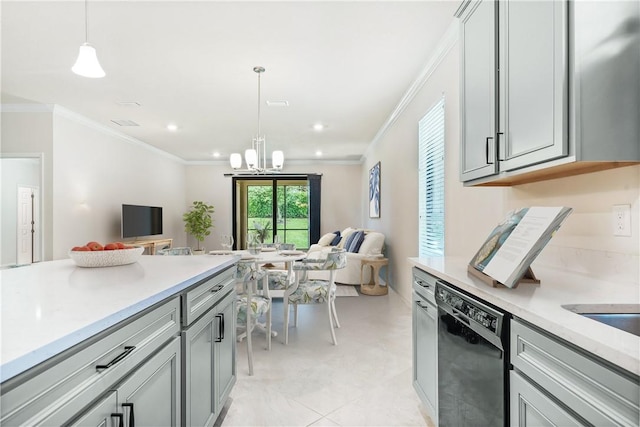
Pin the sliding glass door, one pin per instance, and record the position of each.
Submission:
(288, 207)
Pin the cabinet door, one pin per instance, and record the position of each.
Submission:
(425, 354)
(210, 363)
(533, 126)
(151, 394)
(102, 414)
(226, 350)
(478, 90)
(200, 402)
(530, 407)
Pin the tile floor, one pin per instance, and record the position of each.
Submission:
(364, 381)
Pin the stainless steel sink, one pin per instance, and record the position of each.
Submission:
(625, 317)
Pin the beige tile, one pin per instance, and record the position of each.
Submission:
(364, 380)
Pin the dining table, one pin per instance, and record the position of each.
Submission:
(267, 259)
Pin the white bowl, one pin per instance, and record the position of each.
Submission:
(106, 258)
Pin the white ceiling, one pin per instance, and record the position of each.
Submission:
(344, 64)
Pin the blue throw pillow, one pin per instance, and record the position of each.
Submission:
(354, 241)
(358, 242)
(336, 239)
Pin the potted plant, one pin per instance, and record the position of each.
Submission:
(262, 230)
(198, 222)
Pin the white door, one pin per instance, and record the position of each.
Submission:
(28, 238)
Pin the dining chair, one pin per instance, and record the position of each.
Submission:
(279, 278)
(251, 304)
(174, 251)
(306, 290)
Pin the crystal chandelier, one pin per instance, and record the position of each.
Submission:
(256, 156)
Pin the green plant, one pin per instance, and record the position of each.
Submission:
(262, 230)
(198, 221)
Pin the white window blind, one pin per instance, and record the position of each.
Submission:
(431, 186)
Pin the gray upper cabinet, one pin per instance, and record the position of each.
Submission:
(533, 93)
(548, 89)
(478, 90)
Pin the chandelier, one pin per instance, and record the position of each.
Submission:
(256, 156)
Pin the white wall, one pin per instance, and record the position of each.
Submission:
(96, 171)
(28, 129)
(342, 195)
(89, 172)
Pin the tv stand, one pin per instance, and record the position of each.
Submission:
(151, 245)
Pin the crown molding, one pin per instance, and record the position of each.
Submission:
(445, 44)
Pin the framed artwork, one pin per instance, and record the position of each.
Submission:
(374, 191)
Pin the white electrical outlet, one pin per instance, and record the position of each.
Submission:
(622, 220)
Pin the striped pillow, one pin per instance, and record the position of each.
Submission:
(354, 241)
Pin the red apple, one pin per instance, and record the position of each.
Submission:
(95, 246)
(80, 248)
(121, 245)
(110, 247)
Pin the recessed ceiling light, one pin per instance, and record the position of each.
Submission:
(215, 154)
(277, 103)
(318, 127)
(172, 127)
(318, 153)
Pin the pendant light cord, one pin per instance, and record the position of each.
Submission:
(86, 23)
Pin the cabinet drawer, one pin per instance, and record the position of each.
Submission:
(424, 284)
(203, 296)
(53, 392)
(601, 394)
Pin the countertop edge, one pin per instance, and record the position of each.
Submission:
(619, 348)
(32, 359)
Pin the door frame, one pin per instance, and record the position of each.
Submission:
(314, 181)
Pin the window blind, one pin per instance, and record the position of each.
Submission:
(431, 185)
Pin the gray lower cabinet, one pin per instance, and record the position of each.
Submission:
(210, 363)
(149, 396)
(138, 372)
(67, 386)
(529, 406)
(425, 341)
(102, 414)
(556, 383)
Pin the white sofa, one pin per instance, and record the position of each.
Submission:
(371, 246)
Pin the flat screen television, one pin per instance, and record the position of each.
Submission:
(138, 221)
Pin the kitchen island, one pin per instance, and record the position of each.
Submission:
(100, 326)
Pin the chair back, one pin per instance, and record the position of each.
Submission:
(336, 259)
(174, 251)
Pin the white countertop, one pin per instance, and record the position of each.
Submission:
(49, 307)
(541, 305)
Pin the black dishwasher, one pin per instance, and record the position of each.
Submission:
(472, 360)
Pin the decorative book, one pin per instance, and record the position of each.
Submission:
(507, 254)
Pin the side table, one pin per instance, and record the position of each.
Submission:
(374, 287)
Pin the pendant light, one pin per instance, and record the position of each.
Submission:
(87, 64)
(256, 156)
